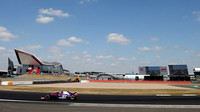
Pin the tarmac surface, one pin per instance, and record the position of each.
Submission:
(30, 102)
(33, 107)
(108, 99)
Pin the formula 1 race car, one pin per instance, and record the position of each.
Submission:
(62, 95)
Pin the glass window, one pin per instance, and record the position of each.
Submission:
(178, 69)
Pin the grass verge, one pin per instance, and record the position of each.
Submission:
(39, 76)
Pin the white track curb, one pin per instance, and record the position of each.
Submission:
(16, 82)
(85, 81)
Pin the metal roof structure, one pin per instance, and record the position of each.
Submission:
(25, 58)
(55, 64)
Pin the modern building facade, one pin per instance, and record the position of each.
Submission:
(196, 72)
(30, 64)
(153, 70)
(3, 72)
(106, 77)
(179, 72)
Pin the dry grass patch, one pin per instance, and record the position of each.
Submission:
(103, 91)
(36, 76)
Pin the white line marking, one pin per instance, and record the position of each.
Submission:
(132, 105)
(163, 95)
(28, 101)
(189, 95)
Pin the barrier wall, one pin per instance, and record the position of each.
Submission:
(51, 82)
(131, 81)
(83, 81)
(34, 82)
(16, 82)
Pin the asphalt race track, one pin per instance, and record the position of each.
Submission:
(30, 102)
(108, 99)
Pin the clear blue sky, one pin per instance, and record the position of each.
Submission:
(102, 35)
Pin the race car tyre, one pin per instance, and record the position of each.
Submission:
(47, 97)
(72, 97)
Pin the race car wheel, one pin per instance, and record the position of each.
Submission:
(47, 97)
(72, 97)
